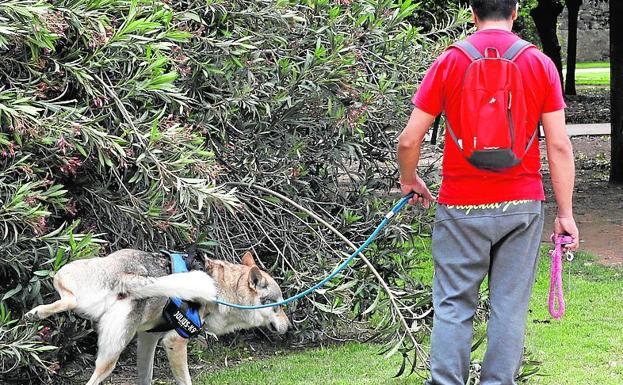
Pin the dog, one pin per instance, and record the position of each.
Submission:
(125, 293)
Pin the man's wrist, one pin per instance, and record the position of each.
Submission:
(564, 214)
(406, 182)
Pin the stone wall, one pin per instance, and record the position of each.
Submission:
(593, 32)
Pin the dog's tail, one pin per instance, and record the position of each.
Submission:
(194, 286)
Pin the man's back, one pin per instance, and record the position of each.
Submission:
(498, 240)
(441, 91)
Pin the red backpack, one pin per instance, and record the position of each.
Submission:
(493, 121)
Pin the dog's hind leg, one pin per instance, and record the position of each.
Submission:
(114, 332)
(67, 302)
(146, 347)
(178, 357)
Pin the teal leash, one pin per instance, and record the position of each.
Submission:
(388, 217)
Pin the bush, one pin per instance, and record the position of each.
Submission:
(123, 121)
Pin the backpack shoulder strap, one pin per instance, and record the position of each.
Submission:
(516, 49)
(468, 48)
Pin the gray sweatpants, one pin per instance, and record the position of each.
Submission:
(467, 246)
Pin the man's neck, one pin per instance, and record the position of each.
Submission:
(503, 25)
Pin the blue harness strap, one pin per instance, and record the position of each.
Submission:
(179, 315)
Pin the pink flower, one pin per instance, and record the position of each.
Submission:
(170, 209)
(30, 200)
(71, 167)
(62, 144)
(71, 207)
(40, 227)
(162, 225)
(27, 170)
(45, 333)
(77, 128)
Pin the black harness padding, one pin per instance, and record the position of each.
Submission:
(179, 315)
(433, 137)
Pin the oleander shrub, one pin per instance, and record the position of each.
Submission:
(128, 123)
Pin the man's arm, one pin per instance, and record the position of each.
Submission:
(562, 171)
(409, 144)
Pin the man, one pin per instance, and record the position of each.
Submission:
(487, 223)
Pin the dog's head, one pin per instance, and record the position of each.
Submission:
(246, 284)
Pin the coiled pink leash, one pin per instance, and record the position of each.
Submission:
(555, 287)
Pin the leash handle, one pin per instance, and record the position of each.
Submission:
(556, 296)
(403, 201)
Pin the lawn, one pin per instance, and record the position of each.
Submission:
(585, 347)
(585, 77)
(347, 364)
(602, 64)
(592, 78)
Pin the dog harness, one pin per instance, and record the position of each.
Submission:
(183, 316)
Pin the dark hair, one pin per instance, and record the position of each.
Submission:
(493, 9)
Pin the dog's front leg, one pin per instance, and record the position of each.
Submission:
(145, 349)
(178, 357)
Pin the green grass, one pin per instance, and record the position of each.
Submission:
(584, 348)
(602, 64)
(592, 78)
(347, 364)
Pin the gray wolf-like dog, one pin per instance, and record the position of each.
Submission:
(125, 293)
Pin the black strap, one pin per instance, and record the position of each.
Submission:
(433, 138)
(515, 49)
(469, 49)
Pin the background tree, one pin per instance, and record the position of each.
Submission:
(573, 6)
(616, 90)
(545, 16)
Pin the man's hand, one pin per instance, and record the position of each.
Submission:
(417, 185)
(567, 226)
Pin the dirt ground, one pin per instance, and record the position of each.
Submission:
(590, 105)
(598, 206)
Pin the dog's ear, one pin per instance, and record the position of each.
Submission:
(256, 279)
(247, 259)
(209, 265)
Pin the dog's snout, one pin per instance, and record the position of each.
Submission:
(279, 325)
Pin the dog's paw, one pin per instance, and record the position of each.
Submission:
(32, 315)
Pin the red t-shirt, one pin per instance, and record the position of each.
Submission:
(440, 91)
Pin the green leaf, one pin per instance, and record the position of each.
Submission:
(12, 292)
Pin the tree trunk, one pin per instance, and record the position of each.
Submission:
(572, 44)
(545, 16)
(616, 90)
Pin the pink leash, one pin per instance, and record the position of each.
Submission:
(555, 287)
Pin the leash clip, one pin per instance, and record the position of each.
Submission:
(569, 256)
